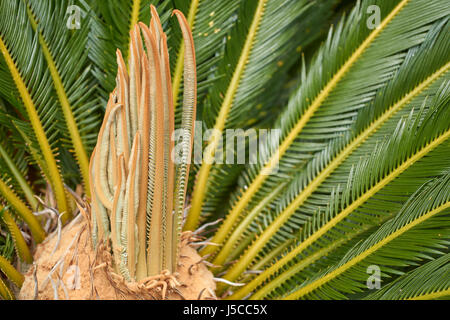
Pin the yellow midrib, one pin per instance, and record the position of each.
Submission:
(203, 174)
(29, 195)
(5, 292)
(318, 283)
(54, 175)
(370, 130)
(80, 152)
(274, 160)
(136, 6)
(239, 266)
(26, 214)
(433, 295)
(237, 233)
(19, 241)
(292, 270)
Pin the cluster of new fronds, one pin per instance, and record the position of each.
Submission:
(138, 173)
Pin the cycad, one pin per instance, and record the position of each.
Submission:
(344, 215)
(362, 163)
(259, 55)
(139, 188)
(44, 95)
(359, 80)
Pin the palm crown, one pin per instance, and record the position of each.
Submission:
(357, 180)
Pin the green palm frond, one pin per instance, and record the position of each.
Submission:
(258, 55)
(110, 27)
(5, 291)
(429, 281)
(6, 255)
(358, 180)
(416, 150)
(392, 247)
(23, 65)
(12, 274)
(376, 121)
(14, 168)
(367, 69)
(13, 160)
(7, 193)
(139, 179)
(66, 59)
(20, 244)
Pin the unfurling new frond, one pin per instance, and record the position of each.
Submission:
(138, 185)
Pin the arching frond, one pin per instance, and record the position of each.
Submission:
(378, 120)
(111, 25)
(407, 159)
(5, 291)
(348, 71)
(15, 276)
(429, 281)
(22, 210)
(14, 168)
(23, 66)
(257, 56)
(66, 59)
(358, 179)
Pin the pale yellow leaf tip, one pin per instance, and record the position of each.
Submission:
(155, 15)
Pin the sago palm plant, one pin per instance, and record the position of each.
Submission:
(347, 197)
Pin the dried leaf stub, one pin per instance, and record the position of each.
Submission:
(138, 190)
